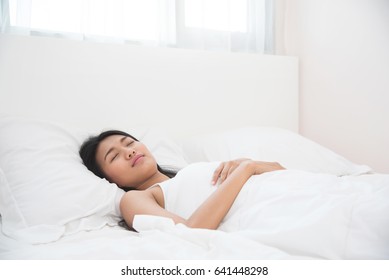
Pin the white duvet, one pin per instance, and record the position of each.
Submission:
(302, 213)
(279, 215)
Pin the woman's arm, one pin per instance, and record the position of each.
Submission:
(215, 208)
(210, 213)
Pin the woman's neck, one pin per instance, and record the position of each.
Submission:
(158, 177)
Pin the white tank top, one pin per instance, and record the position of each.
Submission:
(184, 193)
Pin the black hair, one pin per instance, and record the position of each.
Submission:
(88, 155)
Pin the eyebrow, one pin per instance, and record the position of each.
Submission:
(112, 148)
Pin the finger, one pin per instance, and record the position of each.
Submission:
(231, 170)
(224, 173)
(216, 173)
(223, 176)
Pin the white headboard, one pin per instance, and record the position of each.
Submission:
(97, 86)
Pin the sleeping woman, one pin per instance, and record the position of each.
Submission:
(303, 213)
(210, 188)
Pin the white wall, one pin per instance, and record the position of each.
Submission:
(343, 47)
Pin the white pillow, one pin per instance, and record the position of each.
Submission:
(290, 149)
(165, 149)
(46, 192)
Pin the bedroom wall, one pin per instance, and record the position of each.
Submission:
(343, 50)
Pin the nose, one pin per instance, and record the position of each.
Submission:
(130, 153)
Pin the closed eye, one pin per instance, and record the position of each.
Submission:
(130, 143)
(114, 157)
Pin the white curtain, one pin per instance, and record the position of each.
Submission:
(4, 15)
(228, 25)
(232, 25)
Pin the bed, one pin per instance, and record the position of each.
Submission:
(187, 107)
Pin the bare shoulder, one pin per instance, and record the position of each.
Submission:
(146, 202)
(133, 200)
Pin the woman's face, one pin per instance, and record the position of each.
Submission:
(124, 161)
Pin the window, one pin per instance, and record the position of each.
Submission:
(232, 25)
(125, 19)
(217, 15)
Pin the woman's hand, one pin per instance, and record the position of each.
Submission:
(258, 167)
(225, 169)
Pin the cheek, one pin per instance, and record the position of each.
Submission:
(116, 173)
(144, 150)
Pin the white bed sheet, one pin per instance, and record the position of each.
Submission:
(118, 243)
(159, 238)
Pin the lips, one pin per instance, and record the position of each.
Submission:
(136, 159)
